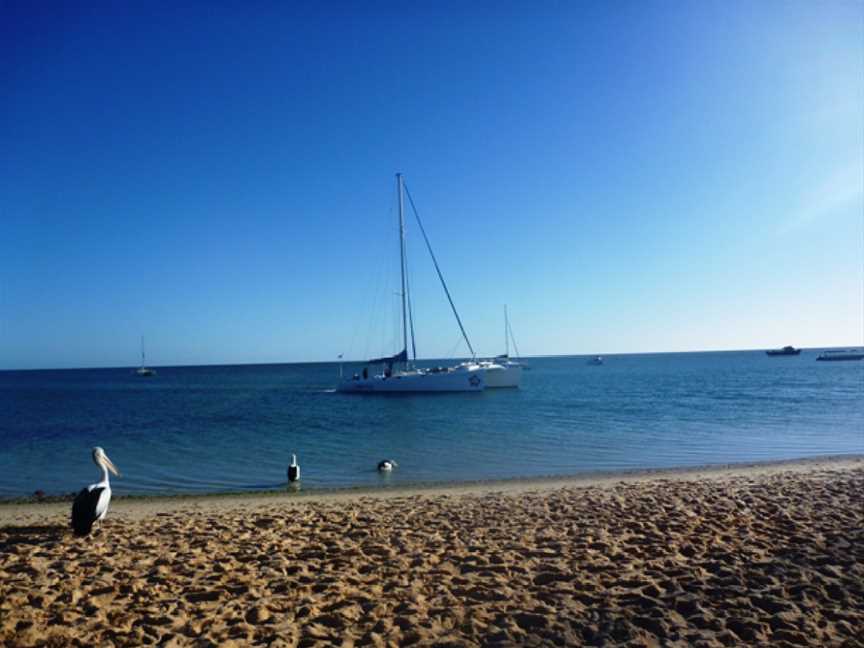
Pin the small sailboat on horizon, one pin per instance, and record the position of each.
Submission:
(144, 370)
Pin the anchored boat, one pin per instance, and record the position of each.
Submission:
(144, 370)
(785, 351)
(397, 373)
(835, 356)
(502, 371)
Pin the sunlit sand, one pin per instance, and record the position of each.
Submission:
(770, 554)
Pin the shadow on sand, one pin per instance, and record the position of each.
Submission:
(46, 535)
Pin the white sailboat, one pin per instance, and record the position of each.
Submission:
(502, 371)
(144, 370)
(397, 372)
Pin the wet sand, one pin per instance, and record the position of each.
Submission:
(754, 555)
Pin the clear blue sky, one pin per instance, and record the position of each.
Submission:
(626, 176)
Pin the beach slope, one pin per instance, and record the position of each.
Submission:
(744, 556)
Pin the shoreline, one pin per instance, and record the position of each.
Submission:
(30, 509)
(758, 554)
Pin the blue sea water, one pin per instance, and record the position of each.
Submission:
(226, 428)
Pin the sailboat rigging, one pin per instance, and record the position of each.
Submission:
(502, 371)
(144, 370)
(399, 374)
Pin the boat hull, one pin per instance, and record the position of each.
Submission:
(841, 357)
(420, 381)
(503, 376)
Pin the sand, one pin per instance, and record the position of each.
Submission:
(760, 555)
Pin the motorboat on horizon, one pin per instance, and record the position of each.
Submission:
(785, 351)
(845, 354)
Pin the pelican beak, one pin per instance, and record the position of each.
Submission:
(110, 465)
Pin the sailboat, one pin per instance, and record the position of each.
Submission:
(144, 370)
(502, 371)
(512, 367)
(397, 372)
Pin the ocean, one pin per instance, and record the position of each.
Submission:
(233, 428)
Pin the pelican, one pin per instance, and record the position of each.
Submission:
(386, 465)
(91, 504)
(293, 469)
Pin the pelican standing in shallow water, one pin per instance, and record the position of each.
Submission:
(386, 465)
(91, 504)
(293, 469)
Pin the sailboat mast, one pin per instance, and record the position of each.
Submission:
(142, 351)
(506, 334)
(402, 264)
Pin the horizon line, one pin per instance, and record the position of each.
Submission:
(344, 361)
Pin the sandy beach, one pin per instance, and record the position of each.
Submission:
(747, 555)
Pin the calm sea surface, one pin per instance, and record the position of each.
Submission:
(208, 429)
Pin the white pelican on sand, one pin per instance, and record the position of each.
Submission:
(91, 504)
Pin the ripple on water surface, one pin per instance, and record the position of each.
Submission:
(205, 429)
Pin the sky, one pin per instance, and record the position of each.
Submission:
(218, 178)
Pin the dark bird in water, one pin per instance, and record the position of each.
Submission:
(293, 469)
(386, 465)
(91, 504)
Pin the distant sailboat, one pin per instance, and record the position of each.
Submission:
(502, 371)
(143, 370)
(399, 373)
